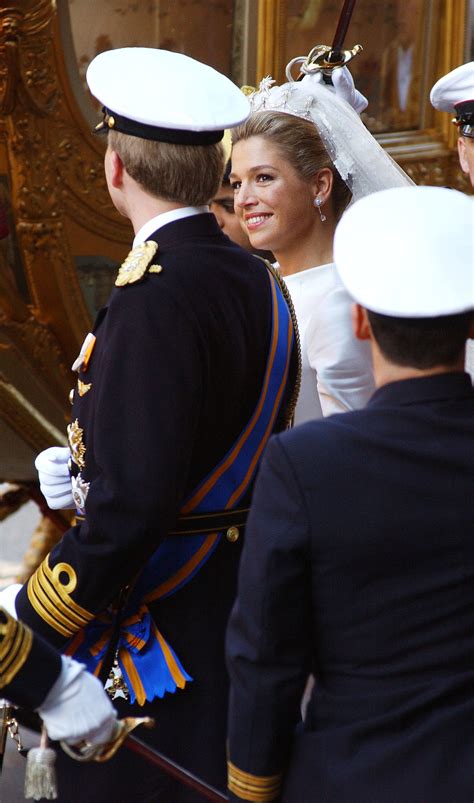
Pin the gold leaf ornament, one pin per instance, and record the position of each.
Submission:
(76, 444)
(83, 388)
(136, 264)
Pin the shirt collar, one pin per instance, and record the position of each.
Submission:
(424, 388)
(158, 221)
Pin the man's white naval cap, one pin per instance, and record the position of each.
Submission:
(159, 95)
(454, 93)
(409, 252)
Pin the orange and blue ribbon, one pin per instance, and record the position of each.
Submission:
(148, 664)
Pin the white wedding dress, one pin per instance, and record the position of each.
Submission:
(336, 367)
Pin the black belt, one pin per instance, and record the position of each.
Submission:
(206, 523)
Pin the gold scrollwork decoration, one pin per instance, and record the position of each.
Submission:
(18, 77)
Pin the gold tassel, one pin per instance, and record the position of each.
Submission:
(40, 775)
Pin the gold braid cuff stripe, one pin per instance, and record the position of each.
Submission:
(15, 646)
(51, 599)
(258, 788)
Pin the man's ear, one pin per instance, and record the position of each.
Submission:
(471, 328)
(462, 156)
(360, 323)
(116, 170)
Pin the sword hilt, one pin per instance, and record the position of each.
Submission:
(322, 58)
(102, 752)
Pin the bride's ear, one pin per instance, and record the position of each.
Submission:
(322, 184)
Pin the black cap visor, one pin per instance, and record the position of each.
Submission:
(116, 122)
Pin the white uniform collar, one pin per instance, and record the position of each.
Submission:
(166, 217)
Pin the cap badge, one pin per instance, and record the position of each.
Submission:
(136, 264)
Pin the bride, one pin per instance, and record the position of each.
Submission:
(297, 162)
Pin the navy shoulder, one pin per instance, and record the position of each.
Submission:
(330, 430)
(198, 274)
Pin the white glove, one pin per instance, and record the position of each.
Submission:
(77, 707)
(8, 597)
(343, 86)
(53, 474)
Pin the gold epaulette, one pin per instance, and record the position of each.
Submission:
(137, 263)
(51, 598)
(15, 646)
(258, 788)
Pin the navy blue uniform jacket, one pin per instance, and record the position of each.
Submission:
(359, 567)
(175, 375)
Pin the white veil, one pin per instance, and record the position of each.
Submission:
(357, 156)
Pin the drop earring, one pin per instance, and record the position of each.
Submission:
(317, 203)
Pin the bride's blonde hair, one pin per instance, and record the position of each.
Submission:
(298, 142)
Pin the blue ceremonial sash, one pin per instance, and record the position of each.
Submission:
(148, 664)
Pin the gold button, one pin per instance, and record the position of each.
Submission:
(71, 395)
(69, 464)
(111, 122)
(232, 534)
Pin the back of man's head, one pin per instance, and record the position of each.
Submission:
(184, 174)
(422, 343)
(407, 256)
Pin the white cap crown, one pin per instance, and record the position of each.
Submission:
(409, 252)
(455, 87)
(163, 90)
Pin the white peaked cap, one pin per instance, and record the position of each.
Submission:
(147, 91)
(455, 87)
(409, 252)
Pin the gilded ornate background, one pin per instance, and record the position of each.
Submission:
(391, 70)
(201, 30)
(60, 238)
(408, 45)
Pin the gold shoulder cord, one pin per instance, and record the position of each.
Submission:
(291, 406)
